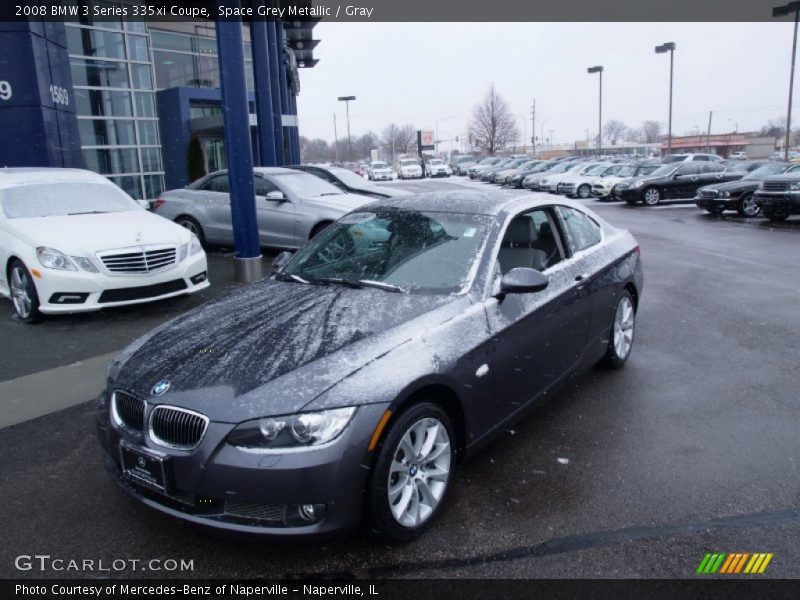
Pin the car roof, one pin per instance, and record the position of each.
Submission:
(486, 202)
(11, 177)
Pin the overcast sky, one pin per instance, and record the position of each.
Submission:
(419, 73)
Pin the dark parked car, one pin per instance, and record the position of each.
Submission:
(670, 181)
(779, 196)
(739, 195)
(348, 385)
(516, 180)
(348, 181)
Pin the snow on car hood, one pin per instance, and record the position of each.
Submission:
(87, 234)
(266, 331)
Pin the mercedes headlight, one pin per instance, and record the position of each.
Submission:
(84, 263)
(195, 247)
(53, 259)
(305, 430)
(637, 184)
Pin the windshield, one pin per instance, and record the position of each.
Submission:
(435, 161)
(597, 170)
(61, 198)
(671, 158)
(489, 161)
(408, 162)
(379, 165)
(765, 171)
(303, 185)
(424, 252)
(349, 178)
(663, 171)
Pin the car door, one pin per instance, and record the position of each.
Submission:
(536, 337)
(685, 181)
(275, 216)
(215, 195)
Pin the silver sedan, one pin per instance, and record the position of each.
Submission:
(291, 207)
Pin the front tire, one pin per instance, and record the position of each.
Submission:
(748, 207)
(622, 333)
(412, 473)
(651, 196)
(23, 292)
(584, 191)
(776, 215)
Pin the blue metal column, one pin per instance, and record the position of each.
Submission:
(238, 149)
(284, 88)
(295, 129)
(266, 131)
(274, 77)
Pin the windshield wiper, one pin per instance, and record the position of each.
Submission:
(331, 193)
(290, 277)
(89, 212)
(359, 283)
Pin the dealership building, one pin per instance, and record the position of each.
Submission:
(140, 102)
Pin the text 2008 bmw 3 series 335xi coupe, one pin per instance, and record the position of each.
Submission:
(347, 386)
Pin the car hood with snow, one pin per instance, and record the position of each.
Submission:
(84, 235)
(234, 358)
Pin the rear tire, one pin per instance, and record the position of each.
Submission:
(406, 492)
(24, 297)
(623, 327)
(193, 226)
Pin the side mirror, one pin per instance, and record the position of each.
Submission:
(523, 280)
(280, 261)
(276, 196)
(676, 175)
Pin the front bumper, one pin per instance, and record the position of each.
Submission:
(80, 291)
(602, 192)
(438, 173)
(780, 201)
(241, 490)
(382, 176)
(629, 194)
(724, 203)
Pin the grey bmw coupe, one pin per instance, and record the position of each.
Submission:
(348, 385)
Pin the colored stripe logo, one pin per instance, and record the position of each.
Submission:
(734, 563)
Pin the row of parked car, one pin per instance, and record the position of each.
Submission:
(767, 187)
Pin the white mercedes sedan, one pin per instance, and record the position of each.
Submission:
(72, 241)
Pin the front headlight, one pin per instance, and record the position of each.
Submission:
(195, 247)
(725, 194)
(84, 263)
(761, 185)
(305, 430)
(794, 186)
(53, 259)
(638, 184)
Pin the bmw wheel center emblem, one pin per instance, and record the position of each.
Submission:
(160, 388)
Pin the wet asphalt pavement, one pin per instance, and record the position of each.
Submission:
(692, 448)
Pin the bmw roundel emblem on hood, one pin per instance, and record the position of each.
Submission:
(160, 388)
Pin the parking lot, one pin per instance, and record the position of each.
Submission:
(691, 448)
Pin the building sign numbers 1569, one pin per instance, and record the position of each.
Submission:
(59, 95)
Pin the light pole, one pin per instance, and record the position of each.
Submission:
(346, 100)
(662, 49)
(541, 137)
(599, 69)
(436, 132)
(782, 11)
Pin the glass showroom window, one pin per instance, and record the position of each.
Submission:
(114, 98)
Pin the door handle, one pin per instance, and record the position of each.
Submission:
(582, 277)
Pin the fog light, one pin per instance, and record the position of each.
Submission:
(308, 512)
(305, 514)
(199, 278)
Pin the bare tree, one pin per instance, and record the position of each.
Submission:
(651, 132)
(316, 150)
(397, 139)
(614, 130)
(776, 128)
(364, 145)
(492, 126)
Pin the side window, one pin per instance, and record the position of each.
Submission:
(531, 240)
(713, 167)
(263, 187)
(581, 231)
(217, 184)
(700, 157)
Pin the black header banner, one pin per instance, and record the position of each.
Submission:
(393, 10)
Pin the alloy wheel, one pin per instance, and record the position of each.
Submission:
(419, 472)
(584, 191)
(19, 293)
(190, 225)
(652, 197)
(748, 206)
(623, 328)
